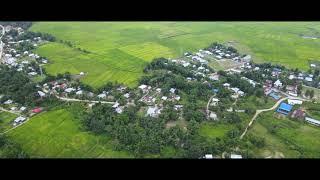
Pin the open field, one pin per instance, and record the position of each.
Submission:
(127, 43)
(291, 138)
(57, 134)
(214, 130)
(5, 120)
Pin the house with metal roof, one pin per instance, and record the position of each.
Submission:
(284, 108)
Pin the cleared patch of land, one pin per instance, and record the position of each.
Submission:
(57, 134)
(126, 43)
(214, 130)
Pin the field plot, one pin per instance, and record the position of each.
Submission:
(45, 135)
(214, 130)
(276, 42)
(6, 120)
(290, 138)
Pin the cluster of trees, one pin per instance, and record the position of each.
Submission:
(221, 46)
(145, 135)
(9, 149)
(309, 93)
(16, 86)
(162, 63)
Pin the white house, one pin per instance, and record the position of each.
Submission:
(312, 121)
(8, 102)
(226, 85)
(312, 65)
(208, 156)
(69, 90)
(153, 111)
(278, 83)
(127, 95)
(164, 98)
(235, 156)
(81, 73)
(116, 105)
(177, 98)
(23, 108)
(247, 58)
(41, 94)
(19, 119)
(32, 73)
(185, 64)
(214, 101)
(213, 116)
(294, 101)
(158, 90)
(292, 76)
(173, 90)
(79, 92)
(309, 79)
(241, 93)
(119, 110)
(102, 95)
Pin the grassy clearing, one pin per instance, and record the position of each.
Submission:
(255, 103)
(57, 134)
(290, 137)
(214, 130)
(5, 120)
(276, 42)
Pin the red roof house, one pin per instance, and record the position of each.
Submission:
(36, 110)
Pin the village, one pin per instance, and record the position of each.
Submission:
(278, 83)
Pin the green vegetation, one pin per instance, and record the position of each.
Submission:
(142, 41)
(214, 130)
(6, 120)
(290, 138)
(58, 134)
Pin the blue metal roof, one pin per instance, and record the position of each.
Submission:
(275, 96)
(285, 106)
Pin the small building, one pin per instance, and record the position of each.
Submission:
(127, 95)
(208, 156)
(312, 65)
(299, 114)
(312, 121)
(153, 111)
(79, 92)
(119, 110)
(294, 101)
(278, 83)
(214, 101)
(214, 77)
(236, 156)
(164, 98)
(102, 95)
(115, 105)
(284, 108)
(81, 73)
(308, 79)
(37, 110)
(226, 85)
(8, 102)
(41, 94)
(213, 116)
(173, 90)
(23, 108)
(69, 90)
(19, 119)
(178, 107)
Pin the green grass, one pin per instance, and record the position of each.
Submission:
(57, 134)
(254, 102)
(214, 130)
(127, 43)
(290, 137)
(6, 120)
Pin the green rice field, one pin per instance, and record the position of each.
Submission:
(119, 50)
(57, 134)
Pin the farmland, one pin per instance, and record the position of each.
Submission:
(45, 135)
(286, 138)
(119, 50)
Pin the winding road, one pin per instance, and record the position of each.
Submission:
(270, 109)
